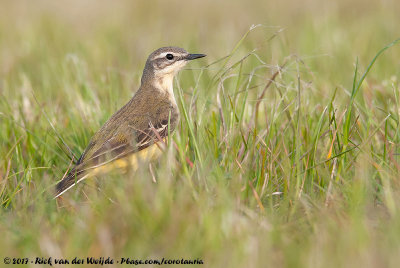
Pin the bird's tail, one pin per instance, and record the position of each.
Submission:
(73, 178)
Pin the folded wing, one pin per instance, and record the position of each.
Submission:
(118, 146)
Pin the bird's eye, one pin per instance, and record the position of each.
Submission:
(170, 56)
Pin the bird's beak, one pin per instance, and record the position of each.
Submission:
(194, 56)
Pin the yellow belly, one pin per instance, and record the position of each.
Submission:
(131, 162)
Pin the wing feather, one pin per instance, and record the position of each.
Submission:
(118, 146)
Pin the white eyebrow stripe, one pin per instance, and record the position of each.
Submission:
(162, 55)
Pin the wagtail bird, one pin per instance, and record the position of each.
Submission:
(134, 133)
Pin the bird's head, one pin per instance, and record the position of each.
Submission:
(165, 62)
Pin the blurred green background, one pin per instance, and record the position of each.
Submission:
(301, 175)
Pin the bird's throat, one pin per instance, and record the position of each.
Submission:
(165, 83)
